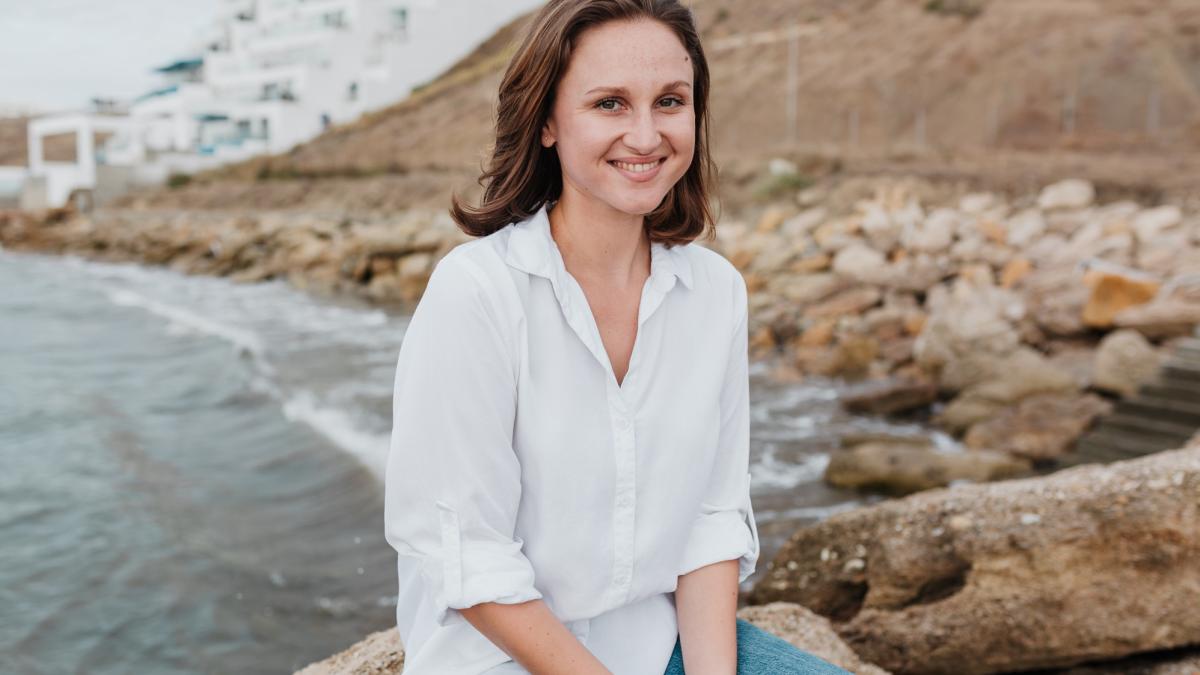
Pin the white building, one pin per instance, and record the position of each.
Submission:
(271, 74)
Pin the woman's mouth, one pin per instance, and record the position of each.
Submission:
(638, 171)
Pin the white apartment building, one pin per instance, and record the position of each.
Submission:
(268, 75)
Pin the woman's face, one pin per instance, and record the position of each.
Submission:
(623, 118)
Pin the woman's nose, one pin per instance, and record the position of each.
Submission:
(643, 136)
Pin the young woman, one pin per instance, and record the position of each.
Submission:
(568, 485)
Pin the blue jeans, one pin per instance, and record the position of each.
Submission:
(761, 653)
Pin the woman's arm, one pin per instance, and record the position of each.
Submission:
(535, 638)
(706, 606)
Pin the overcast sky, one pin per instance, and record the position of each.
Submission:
(58, 54)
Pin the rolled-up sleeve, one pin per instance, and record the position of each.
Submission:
(725, 528)
(453, 481)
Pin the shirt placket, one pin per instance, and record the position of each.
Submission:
(621, 412)
(625, 495)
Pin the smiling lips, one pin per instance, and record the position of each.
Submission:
(639, 171)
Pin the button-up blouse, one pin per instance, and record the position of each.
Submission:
(519, 468)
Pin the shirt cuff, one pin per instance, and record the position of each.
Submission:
(719, 535)
(486, 567)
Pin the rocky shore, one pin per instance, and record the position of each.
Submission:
(1011, 322)
(1091, 570)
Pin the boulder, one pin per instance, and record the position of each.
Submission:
(860, 263)
(807, 631)
(890, 396)
(1040, 427)
(1056, 298)
(382, 652)
(1125, 360)
(852, 301)
(995, 384)
(1025, 227)
(1150, 223)
(1093, 562)
(901, 466)
(1073, 193)
(1160, 319)
(1113, 291)
(934, 234)
(967, 322)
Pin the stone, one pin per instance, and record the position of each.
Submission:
(1056, 298)
(808, 632)
(889, 397)
(933, 235)
(976, 203)
(1040, 427)
(1014, 271)
(819, 333)
(809, 288)
(881, 231)
(382, 652)
(900, 467)
(1161, 319)
(859, 263)
(989, 385)
(1124, 361)
(1094, 562)
(1113, 291)
(803, 223)
(852, 301)
(834, 235)
(770, 220)
(1073, 193)
(854, 355)
(968, 323)
(1025, 227)
(1150, 223)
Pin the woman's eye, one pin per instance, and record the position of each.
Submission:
(611, 104)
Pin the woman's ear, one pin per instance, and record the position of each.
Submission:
(548, 134)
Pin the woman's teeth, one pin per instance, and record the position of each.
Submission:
(637, 168)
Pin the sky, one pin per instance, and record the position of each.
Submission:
(58, 54)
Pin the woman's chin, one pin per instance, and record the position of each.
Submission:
(637, 205)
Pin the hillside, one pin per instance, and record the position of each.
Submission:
(1001, 92)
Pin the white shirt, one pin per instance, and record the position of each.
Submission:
(519, 469)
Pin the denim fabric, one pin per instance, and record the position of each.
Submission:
(761, 653)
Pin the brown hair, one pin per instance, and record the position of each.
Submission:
(523, 175)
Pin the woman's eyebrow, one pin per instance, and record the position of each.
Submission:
(624, 91)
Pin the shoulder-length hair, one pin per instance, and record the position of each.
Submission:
(523, 175)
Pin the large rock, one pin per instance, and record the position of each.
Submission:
(1149, 224)
(1093, 562)
(934, 234)
(1161, 319)
(860, 263)
(901, 466)
(1125, 360)
(999, 383)
(967, 322)
(852, 301)
(890, 396)
(808, 631)
(1072, 193)
(1113, 291)
(1056, 297)
(1039, 428)
(382, 652)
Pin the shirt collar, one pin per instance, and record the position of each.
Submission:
(532, 249)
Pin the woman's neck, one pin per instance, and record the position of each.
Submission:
(599, 243)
